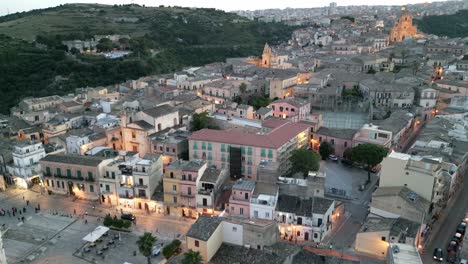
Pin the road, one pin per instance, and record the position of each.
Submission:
(453, 215)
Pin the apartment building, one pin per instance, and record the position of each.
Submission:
(241, 152)
(209, 189)
(136, 179)
(294, 108)
(137, 128)
(429, 177)
(304, 219)
(74, 175)
(172, 145)
(239, 202)
(372, 134)
(25, 169)
(180, 187)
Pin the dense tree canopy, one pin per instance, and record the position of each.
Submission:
(445, 25)
(369, 155)
(303, 161)
(192, 257)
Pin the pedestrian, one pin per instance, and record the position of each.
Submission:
(86, 221)
(27, 202)
(24, 209)
(20, 212)
(14, 214)
(22, 219)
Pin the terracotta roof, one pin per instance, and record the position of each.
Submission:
(273, 122)
(160, 110)
(274, 139)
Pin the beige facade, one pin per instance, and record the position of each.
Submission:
(428, 177)
(403, 28)
(73, 175)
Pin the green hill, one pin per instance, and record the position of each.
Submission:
(455, 25)
(182, 37)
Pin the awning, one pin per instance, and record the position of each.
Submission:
(96, 234)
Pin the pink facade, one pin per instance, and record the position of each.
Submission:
(338, 143)
(239, 203)
(289, 108)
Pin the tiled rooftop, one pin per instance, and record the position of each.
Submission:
(204, 227)
(274, 139)
(245, 185)
(74, 159)
(303, 207)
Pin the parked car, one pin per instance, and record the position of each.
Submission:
(461, 228)
(452, 257)
(156, 251)
(457, 237)
(347, 162)
(128, 216)
(333, 157)
(438, 254)
(452, 246)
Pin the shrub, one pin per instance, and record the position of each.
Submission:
(108, 221)
(171, 248)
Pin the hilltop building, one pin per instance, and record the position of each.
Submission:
(403, 28)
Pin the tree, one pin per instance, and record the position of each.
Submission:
(74, 51)
(326, 149)
(192, 257)
(303, 160)
(369, 155)
(242, 88)
(200, 121)
(145, 245)
(105, 44)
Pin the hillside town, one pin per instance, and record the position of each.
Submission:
(214, 159)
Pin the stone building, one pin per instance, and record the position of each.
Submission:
(403, 27)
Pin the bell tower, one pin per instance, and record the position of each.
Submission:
(266, 56)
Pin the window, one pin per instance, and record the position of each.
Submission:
(249, 170)
(107, 174)
(246, 195)
(267, 215)
(133, 134)
(171, 174)
(197, 243)
(223, 157)
(223, 147)
(174, 188)
(195, 155)
(249, 150)
(59, 172)
(210, 157)
(332, 141)
(190, 177)
(384, 238)
(90, 175)
(167, 149)
(91, 188)
(140, 181)
(209, 146)
(281, 109)
(249, 160)
(47, 169)
(346, 144)
(293, 110)
(315, 235)
(234, 229)
(195, 145)
(243, 150)
(203, 145)
(262, 152)
(107, 187)
(69, 173)
(270, 153)
(58, 184)
(52, 183)
(241, 211)
(113, 175)
(174, 199)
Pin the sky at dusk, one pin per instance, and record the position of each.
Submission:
(8, 6)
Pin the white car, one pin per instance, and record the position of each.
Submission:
(156, 251)
(333, 157)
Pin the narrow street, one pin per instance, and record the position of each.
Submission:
(451, 217)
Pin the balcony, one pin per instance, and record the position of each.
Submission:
(107, 192)
(45, 174)
(187, 195)
(89, 179)
(126, 196)
(200, 205)
(125, 185)
(171, 193)
(140, 185)
(141, 196)
(205, 192)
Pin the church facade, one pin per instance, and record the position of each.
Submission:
(403, 28)
(271, 59)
